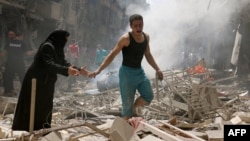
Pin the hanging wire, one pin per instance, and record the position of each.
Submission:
(210, 1)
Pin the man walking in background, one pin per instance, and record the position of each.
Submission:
(14, 51)
(101, 53)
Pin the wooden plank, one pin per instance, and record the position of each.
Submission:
(182, 131)
(158, 132)
(97, 129)
(150, 138)
(42, 132)
(8, 139)
(84, 135)
(32, 105)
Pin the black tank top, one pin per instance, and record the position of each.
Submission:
(133, 53)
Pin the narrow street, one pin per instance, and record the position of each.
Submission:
(200, 47)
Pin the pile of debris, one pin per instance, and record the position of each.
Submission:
(189, 105)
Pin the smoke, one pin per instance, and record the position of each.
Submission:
(178, 25)
(168, 24)
(175, 26)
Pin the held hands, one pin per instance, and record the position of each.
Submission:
(73, 71)
(94, 73)
(84, 71)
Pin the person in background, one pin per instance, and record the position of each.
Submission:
(49, 61)
(101, 53)
(28, 58)
(73, 52)
(134, 46)
(14, 51)
(73, 56)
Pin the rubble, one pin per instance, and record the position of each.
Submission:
(186, 107)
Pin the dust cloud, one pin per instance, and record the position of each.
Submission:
(177, 26)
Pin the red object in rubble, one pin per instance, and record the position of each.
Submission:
(197, 69)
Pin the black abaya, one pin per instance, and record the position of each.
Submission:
(48, 62)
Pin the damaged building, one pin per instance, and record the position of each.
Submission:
(36, 19)
(203, 89)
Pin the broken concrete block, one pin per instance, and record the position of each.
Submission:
(53, 136)
(215, 135)
(21, 135)
(121, 130)
(236, 120)
(244, 116)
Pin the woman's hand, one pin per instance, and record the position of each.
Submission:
(73, 71)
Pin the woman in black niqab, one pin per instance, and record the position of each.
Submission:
(49, 61)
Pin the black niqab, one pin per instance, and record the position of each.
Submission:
(58, 38)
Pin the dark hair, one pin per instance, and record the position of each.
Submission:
(135, 17)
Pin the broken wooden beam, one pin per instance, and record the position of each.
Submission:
(165, 136)
(84, 135)
(182, 131)
(97, 129)
(46, 131)
(32, 105)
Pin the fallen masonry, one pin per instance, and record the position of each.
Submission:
(189, 106)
